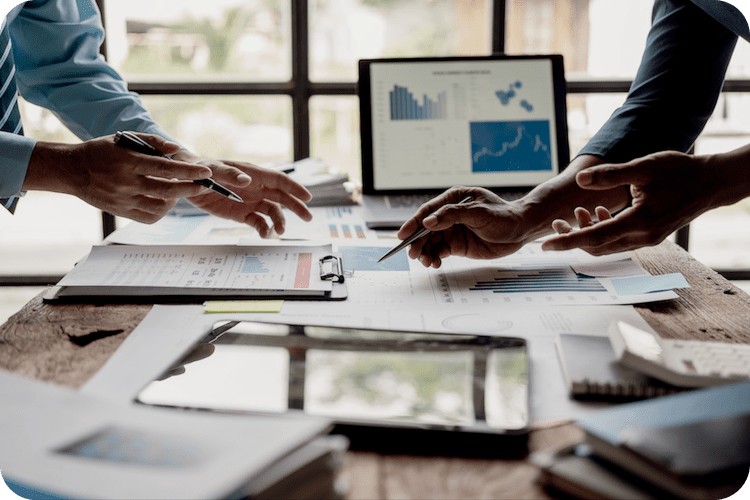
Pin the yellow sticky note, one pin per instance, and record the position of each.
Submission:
(243, 306)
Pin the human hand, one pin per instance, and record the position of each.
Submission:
(116, 179)
(668, 190)
(264, 192)
(484, 228)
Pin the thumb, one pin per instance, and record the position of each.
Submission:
(447, 216)
(164, 146)
(607, 176)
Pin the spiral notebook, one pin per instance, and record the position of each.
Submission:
(591, 371)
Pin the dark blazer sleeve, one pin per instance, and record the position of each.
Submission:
(675, 89)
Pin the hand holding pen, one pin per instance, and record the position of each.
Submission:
(487, 227)
(414, 237)
(133, 142)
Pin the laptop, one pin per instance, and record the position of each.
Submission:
(427, 124)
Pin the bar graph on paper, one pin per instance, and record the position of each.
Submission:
(529, 277)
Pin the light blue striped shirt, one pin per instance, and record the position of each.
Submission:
(58, 67)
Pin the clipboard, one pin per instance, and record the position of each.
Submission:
(102, 284)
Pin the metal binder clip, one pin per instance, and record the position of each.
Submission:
(333, 271)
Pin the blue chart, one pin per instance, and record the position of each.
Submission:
(510, 146)
(546, 279)
(366, 259)
(253, 264)
(404, 106)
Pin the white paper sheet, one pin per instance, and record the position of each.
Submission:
(189, 230)
(76, 446)
(203, 267)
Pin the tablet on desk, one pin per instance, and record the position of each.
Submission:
(386, 390)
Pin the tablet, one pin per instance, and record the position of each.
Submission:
(387, 391)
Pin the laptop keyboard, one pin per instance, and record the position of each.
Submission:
(408, 200)
(416, 200)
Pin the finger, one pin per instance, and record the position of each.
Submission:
(168, 189)
(602, 213)
(602, 237)
(226, 173)
(169, 169)
(608, 175)
(295, 205)
(273, 210)
(447, 216)
(561, 226)
(583, 217)
(161, 144)
(277, 181)
(259, 223)
(416, 222)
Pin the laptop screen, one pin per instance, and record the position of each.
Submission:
(428, 124)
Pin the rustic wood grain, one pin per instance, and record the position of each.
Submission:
(711, 309)
(67, 344)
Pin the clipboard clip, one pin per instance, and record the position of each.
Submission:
(332, 269)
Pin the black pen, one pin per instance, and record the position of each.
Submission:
(414, 237)
(133, 142)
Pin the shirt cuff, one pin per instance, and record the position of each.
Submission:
(15, 153)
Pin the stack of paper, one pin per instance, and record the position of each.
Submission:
(326, 186)
(72, 445)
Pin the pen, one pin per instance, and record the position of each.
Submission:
(133, 142)
(414, 237)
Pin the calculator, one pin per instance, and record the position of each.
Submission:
(684, 363)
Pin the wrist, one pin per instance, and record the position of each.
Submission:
(53, 167)
(727, 175)
(557, 198)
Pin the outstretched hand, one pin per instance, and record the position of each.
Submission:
(668, 190)
(264, 192)
(484, 228)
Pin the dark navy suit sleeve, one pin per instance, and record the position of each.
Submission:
(675, 89)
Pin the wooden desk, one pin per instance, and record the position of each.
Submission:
(67, 344)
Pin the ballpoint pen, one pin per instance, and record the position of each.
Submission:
(414, 237)
(133, 142)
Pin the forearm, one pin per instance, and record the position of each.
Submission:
(558, 198)
(727, 177)
(675, 89)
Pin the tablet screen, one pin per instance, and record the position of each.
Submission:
(358, 378)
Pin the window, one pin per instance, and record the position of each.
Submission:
(270, 80)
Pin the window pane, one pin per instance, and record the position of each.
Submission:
(586, 114)
(334, 131)
(255, 129)
(597, 38)
(176, 40)
(721, 238)
(343, 31)
(49, 232)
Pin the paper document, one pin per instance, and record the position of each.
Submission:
(194, 230)
(76, 446)
(287, 269)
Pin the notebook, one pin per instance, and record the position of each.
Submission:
(427, 124)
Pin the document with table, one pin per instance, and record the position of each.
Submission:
(182, 272)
